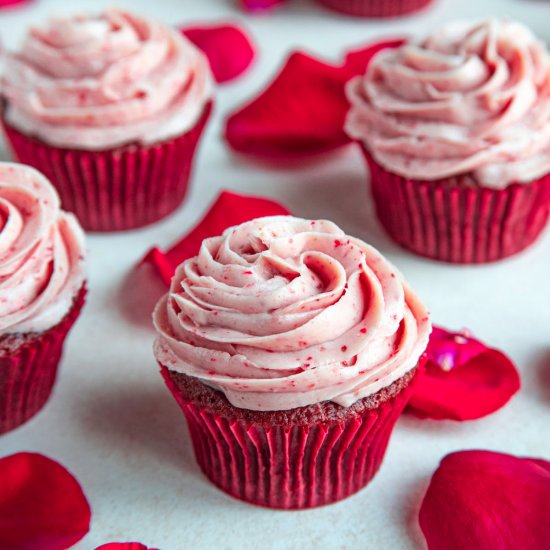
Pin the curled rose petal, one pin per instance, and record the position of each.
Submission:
(124, 546)
(228, 48)
(41, 504)
(259, 5)
(463, 380)
(483, 499)
(228, 209)
(302, 111)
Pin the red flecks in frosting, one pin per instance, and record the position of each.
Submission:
(490, 500)
(282, 320)
(227, 210)
(463, 379)
(472, 97)
(303, 110)
(42, 505)
(228, 48)
(41, 252)
(100, 81)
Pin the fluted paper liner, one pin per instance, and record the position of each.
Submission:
(292, 466)
(456, 220)
(375, 8)
(116, 189)
(28, 369)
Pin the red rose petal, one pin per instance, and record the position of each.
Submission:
(12, 3)
(228, 209)
(227, 47)
(123, 546)
(463, 379)
(42, 505)
(260, 5)
(482, 499)
(356, 61)
(302, 112)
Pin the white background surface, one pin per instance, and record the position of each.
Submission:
(115, 426)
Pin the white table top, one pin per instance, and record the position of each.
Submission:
(112, 422)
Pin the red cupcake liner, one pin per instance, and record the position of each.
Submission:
(117, 189)
(290, 466)
(375, 8)
(28, 369)
(454, 220)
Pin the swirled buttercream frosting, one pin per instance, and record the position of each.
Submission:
(472, 98)
(97, 82)
(41, 253)
(281, 312)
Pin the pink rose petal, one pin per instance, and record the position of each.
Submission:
(124, 546)
(463, 379)
(12, 3)
(259, 5)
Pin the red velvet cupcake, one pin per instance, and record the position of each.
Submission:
(292, 349)
(111, 109)
(376, 8)
(455, 131)
(41, 289)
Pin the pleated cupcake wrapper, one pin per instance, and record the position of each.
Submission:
(290, 467)
(376, 8)
(28, 373)
(454, 220)
(117, 189)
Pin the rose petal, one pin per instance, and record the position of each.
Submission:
(227, 47)
(482, 499)
(124, 546)
(356, 61)
(42, 505)
(12, 3)
(228, 209)
(302, 112)
(260, 5)
(463, 379)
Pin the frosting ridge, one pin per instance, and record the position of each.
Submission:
(96, 82)
(281, 312)
(473, 97)
(41, 252)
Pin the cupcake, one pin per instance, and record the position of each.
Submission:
(376, 8)
(455, 129)
(41, 289)
(109, 107)
(292, 349)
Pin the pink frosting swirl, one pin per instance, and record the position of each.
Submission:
(41, 252)
(95, 82)
(281, 312)
(470, 98)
